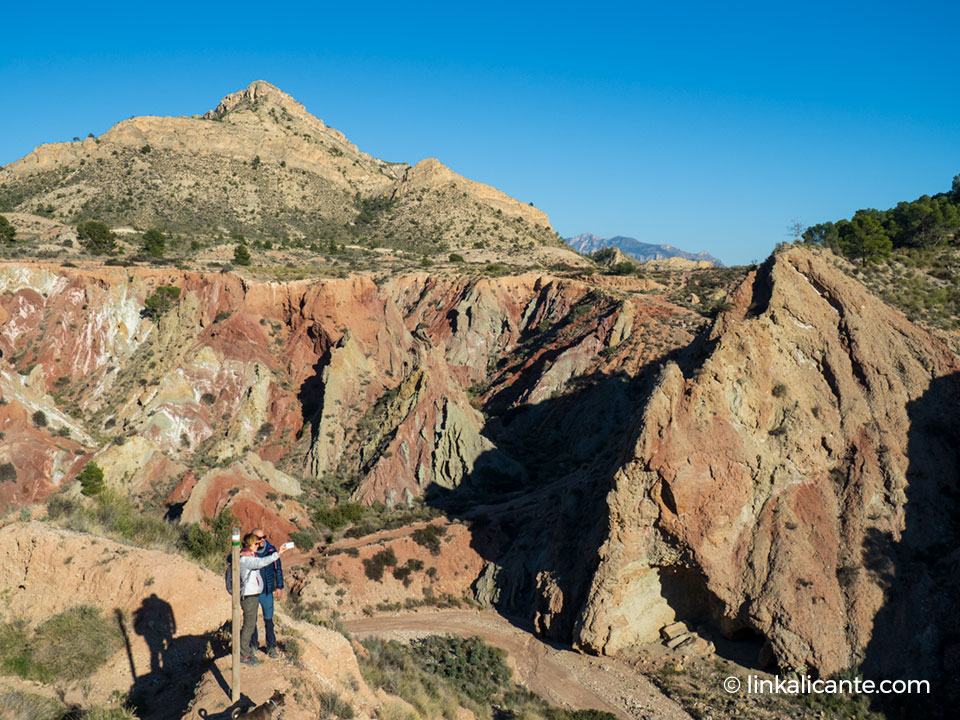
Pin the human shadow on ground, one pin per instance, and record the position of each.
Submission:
(164, 690)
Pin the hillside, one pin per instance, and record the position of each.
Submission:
(261, 167)
(588, 243)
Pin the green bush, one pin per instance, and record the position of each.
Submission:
(336, 517)
(39, 418)
(208, 544)
(160, 301)
(456, 257)
(8, 473)
(373, 567)
(91, 480)
(96, 237)
(154, 243)
(472, 666)
(7, 232)
(305, 539)
(429, 537)
(241, 255)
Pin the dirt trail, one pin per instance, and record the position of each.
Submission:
(556, 673)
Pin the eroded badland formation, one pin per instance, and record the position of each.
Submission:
(767, 455)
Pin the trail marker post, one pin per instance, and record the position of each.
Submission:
(235, 628)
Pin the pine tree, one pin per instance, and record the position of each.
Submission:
(241, 256)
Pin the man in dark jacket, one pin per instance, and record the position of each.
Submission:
(272, 576)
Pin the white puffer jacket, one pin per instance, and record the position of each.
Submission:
(250, 571)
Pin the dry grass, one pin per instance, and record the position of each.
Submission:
(68, 646)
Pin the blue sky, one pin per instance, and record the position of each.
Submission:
(707, 126)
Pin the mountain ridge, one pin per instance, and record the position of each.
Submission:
(260, 165)
(587, 243)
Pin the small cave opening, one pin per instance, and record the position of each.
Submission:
(735, 638)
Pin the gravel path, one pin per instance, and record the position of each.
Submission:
(556, 673)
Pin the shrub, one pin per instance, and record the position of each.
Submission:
(374, 566)
(96, 237)
(265, 431)
(337, 516)
(154, 243)
(39, 418)
(474, 667)
(456, 257)
(206, 545)
(208, 398)
(779, 390)
(160, 301)
(7, 231)
(331, 704)
(91, 480)
(8, 473)
(429, 537)
(305, 539)
(241, 255)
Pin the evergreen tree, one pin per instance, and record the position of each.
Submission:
(96, 237)
(241, 256)
(154, 243)
(91, 479)
(864, 236)
(7, 231)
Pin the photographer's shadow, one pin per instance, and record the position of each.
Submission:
(176, 662)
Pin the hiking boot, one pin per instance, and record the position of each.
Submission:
(249, 660)
(272, 652)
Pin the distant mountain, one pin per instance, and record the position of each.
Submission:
(588, 243)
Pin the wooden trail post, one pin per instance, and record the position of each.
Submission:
(235, 629)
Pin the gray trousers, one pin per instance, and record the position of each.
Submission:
(250, 604)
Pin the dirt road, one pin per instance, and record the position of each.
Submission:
(559, 675)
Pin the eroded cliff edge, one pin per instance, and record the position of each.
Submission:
(800, 483)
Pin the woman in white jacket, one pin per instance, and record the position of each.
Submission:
(251, 585)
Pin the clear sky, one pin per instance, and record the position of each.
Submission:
(705, 125)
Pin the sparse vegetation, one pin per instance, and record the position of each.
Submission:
(336, 517)
(68, 646)
(332, 705)
(437, 674)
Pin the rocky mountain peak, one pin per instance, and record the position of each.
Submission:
(256, 95)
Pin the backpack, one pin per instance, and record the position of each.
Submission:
(228, 578)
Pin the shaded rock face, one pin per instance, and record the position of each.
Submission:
(799, 483)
